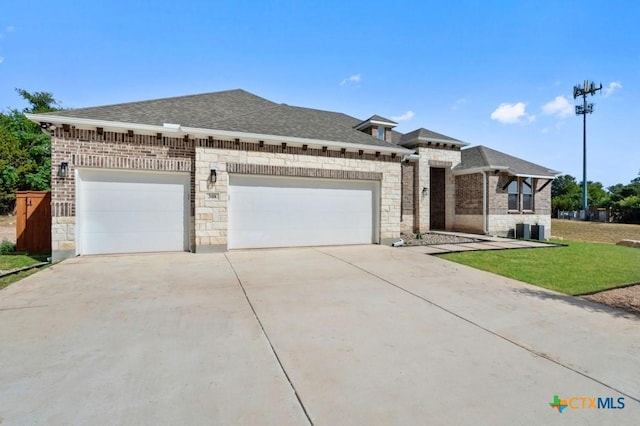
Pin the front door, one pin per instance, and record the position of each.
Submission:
(437, 198)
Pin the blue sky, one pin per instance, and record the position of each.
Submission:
(495, 73)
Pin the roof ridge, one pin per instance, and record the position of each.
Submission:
(483, 154)
(147, 101)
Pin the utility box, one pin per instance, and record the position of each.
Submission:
(523, 231)
(537, 232)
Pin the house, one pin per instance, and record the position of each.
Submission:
(231, 170)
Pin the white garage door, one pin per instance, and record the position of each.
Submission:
(121, 211)
(269, 211)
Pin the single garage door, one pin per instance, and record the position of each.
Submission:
(267, 211)
(120, 211)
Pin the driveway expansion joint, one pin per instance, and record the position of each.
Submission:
(266, 335)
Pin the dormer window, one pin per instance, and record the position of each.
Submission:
(378, 127)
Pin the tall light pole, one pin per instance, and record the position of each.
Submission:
(589, 88)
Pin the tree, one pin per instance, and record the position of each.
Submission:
(40, 102)
(25, 161)
(565, 193)
(14, 162)
(597, 196)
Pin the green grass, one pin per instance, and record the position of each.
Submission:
(10, 279)
(12, 261)
(579, 268)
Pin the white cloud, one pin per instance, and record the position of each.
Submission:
(404, 117)
(1, 59)
(512, 113)
(560, 107)
(612, 87)
(354, 79)
(459, 103)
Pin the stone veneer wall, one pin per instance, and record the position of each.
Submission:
(446, 158)
(211, 200)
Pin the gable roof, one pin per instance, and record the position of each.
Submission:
(424, 135)
(480, 158)
(375, 119)
(230, 111)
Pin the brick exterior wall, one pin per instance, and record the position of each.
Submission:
(108, 150)
(208, 224)
(500, 221)
(408, 196)
(308, 172)
(469, 194)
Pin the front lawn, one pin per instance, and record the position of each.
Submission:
(578, 268)
(12, 261)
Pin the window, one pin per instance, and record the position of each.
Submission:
(527, 194)
(513, 196)
(381, 132)
(520, 194)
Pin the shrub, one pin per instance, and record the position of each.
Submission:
(7, 247)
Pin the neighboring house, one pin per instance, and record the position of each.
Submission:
(230, 170)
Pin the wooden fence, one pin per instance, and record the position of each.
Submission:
(33, 221)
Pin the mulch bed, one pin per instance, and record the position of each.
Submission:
(626, 298)
(430, 238)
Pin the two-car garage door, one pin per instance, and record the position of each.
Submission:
(267, 211)
(120, 211)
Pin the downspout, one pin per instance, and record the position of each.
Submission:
(484, 203)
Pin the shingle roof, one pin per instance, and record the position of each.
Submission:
(481, 157)
(233, 110)
(191, 111)
(425, 135)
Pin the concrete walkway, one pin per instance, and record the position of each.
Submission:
(337, 335)
(484, 242)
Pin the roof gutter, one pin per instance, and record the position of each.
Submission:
(177, 130)
(422, 139)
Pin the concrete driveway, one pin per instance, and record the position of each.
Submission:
(336, 335)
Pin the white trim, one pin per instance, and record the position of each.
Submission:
(500, 168)
(383, 123)
(479, 170)
(298, 141)
(367, 123)
(436, 140)
(120, 126)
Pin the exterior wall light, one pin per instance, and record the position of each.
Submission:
(213, 176)
(63, 170)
